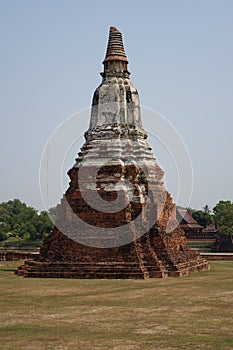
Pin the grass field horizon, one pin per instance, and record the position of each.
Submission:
(192, 312)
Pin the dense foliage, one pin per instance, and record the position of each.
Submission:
(203, 217)
(19, 220)
(223, 216)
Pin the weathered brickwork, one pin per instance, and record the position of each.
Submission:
(14, 255)
(115, 162)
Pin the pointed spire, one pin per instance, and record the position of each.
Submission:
(115, 58)
(115, 48)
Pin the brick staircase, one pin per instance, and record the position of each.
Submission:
(112, 270)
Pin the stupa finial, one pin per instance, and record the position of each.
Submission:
(115, 58)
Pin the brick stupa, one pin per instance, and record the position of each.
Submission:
(115, 167)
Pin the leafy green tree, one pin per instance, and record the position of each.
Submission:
(19, 220)
(4, 229)
(223, 217)
(4, 215)
(4, 224)
(191, 211)
(203, 217)
(43, 225)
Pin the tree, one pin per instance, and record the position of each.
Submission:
(43, 225)
(203, 217)
(4, 224)
(4, 228)
(206, 209)
(17, 219)
(191, 211)
(223, 217)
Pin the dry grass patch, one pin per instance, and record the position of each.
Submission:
(193, 312)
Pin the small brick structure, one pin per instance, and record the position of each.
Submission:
(218, 256)
(14, 255)
(117, 152)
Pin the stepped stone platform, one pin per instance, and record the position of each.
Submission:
(116, 219)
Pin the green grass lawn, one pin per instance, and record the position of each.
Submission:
(192, 312)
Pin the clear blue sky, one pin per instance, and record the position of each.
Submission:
(181, 60)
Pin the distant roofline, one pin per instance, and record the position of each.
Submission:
(187, 217)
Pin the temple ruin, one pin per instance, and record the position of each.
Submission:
(116, 219)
